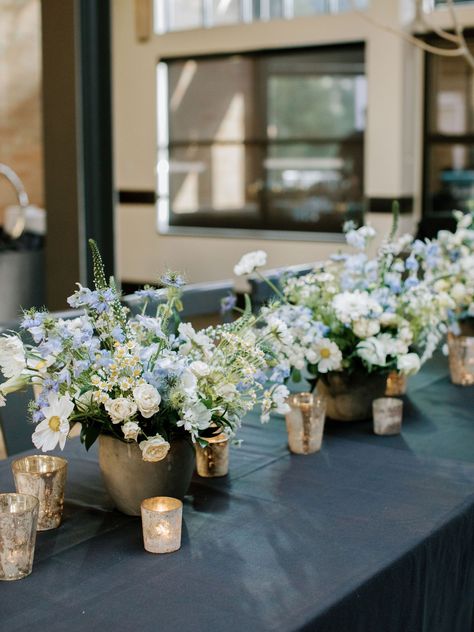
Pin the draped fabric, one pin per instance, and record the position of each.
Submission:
(372, 534)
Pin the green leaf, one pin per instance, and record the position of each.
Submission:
(296, 375)
(89, 435)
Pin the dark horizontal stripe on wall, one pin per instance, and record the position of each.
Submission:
(136, 197)
(384, 205)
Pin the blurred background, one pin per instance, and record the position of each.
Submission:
(183, 133)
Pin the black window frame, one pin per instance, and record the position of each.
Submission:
(307, 233)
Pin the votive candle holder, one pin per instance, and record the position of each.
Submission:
(213, 459)
(388, 415)
(18, 520)
(461, 359)
(396, 384)
(305, 422)
(43, 476)
(162, 518)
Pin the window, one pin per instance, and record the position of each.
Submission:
(270, 141)
(178, 15)
(449, 136)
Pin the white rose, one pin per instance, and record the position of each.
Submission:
(201, 369)
(120, 409)
(458, 292)
(250, 262)
(131, 430)
(409, 364)
(154, 449)
(365, 327)
(388, 319)
(12, 356)
(148, 400)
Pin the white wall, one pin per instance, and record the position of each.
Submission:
(392, 148)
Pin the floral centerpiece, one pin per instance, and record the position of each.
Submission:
(147, 382)
(355, 318)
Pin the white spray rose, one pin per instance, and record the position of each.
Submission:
(250, 262)
(120, 409)
(154, 449)
(131, 430)
(12, 356)
(409, 364)
(201, 369)
(148, 400)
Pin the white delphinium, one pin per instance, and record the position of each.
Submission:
(250, 262)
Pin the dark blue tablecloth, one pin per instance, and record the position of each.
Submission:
(371, 534)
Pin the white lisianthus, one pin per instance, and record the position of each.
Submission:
(54, 428)
(327, 355)
(148, 400)
(201, 369)
(279, 398)
(227, 391)
(120, 409)
(16, 383)
(409, 364)
(131, 430)
(188, 382)
(250, 262)
(372, 351)
(12, 356)
(154, 449)
(366, 327)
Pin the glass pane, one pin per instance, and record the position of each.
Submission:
(451, 177)
(225, 11)
(309, 7)
(215, 184)
(451, 98)
(267, 9)
(316, 96)
(184, 14)
(318, 186)
(211, 99)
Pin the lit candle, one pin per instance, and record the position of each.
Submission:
(18, 519)
(388, 414)
(213, 460)
(305, 423)
(44, 477)
(161, 523)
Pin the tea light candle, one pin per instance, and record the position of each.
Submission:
(44, 477)
(162, 517)
(213, 460)
(387, 413)
(305, 423)
(18, 519)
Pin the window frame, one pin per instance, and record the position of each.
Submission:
(164, 226)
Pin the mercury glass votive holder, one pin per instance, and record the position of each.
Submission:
(461, 359)
(388, 415)
(18, 519)
(305, 423)
(43, 476)
(162, 517)
(396, 384)
(213, 460)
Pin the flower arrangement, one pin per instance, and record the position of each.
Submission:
(450, 267)
(356, 312)
(140, 379)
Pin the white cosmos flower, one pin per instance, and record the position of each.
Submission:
(54, 428)
(131, 430)
(12, 356)
(154, 449)
(250, 262)
(409, 364)
(148, 400)
(327, 356)
(120, 409)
